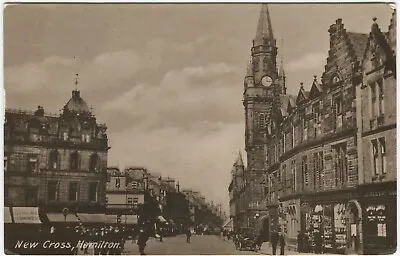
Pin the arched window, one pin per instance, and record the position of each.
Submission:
(54, 158)
(94, 163)
(74, 161)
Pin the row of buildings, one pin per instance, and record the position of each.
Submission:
(55, 169)
(324, 159)
(181, 207)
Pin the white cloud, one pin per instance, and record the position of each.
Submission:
(307, 62)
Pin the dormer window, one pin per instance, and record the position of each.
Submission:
(86, 137)
(335, 80)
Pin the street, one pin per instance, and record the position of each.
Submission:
(200, 245)
(178, 246)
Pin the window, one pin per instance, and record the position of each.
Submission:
(32, 165)
(338, 108)
(130, 201)
(74, 161)
(93, 192)
(294, 175)
(265, 66)
(381, 94)
(375, 156)
(34, 134)
(304, 167)
(372, 87)
(293, 135)
(340, 153)
(135, 201)
(134, 185)
(53, 191)
(379, 156)
(284, 141)
(256, 64)
(106, 199)
(73, 194)
(283, 176)
(5, 163)
(65, 135)
(54, 157)
(85, 137)
(320, 169)
(383, 155)
(117, 183)
(94, 160)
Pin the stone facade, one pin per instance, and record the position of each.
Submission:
(55, 161)
(323, 148)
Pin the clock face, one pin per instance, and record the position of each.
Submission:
(266, 81)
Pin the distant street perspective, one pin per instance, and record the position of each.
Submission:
(215, 129)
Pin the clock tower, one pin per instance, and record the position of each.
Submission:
(261, 93)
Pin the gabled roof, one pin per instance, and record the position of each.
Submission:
(359, 42)
(381, 39)
(316, 89)
(302, 95)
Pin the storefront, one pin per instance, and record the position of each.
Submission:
(291, 221)
(379, 207)
(334, 218)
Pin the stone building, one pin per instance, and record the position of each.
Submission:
(55, 161)
(377, 139)
(315, 159)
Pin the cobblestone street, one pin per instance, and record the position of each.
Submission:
(201, 245)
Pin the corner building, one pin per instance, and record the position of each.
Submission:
(55, 161)
(320, 160)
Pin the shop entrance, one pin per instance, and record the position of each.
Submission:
(354, 229)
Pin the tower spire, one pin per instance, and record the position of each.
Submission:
(239, 160)
(264, 29)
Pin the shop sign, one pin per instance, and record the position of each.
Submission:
(28, 215)
(374, 194)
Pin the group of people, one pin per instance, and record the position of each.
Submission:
(304, 242)
(278, 238)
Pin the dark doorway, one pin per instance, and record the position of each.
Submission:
(265, 229)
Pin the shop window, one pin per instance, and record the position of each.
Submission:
(340, 152)
(54, 160)
(73, 194)
(94, 162)
(53, 189)
(93, 192)
(74, 161)
(33, 165)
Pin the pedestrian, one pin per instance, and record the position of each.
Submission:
(274, 241)
(188, 235)
(300, 241)
(282, 243)
(306, 243)
(318, 242)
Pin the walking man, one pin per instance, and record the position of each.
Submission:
(282, 243)
(274, 241)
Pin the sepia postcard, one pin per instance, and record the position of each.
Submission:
(200, 129)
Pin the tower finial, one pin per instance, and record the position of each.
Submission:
(76, 81)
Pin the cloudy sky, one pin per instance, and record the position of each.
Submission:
(166, 79)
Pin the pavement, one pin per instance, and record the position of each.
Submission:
(200, 245)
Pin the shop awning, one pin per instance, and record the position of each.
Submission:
(162, 219)
(26, 215)
(59, 217)
(228, 224)
(7, 215)
(92, 218)
(112, 219)
(130, 219)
